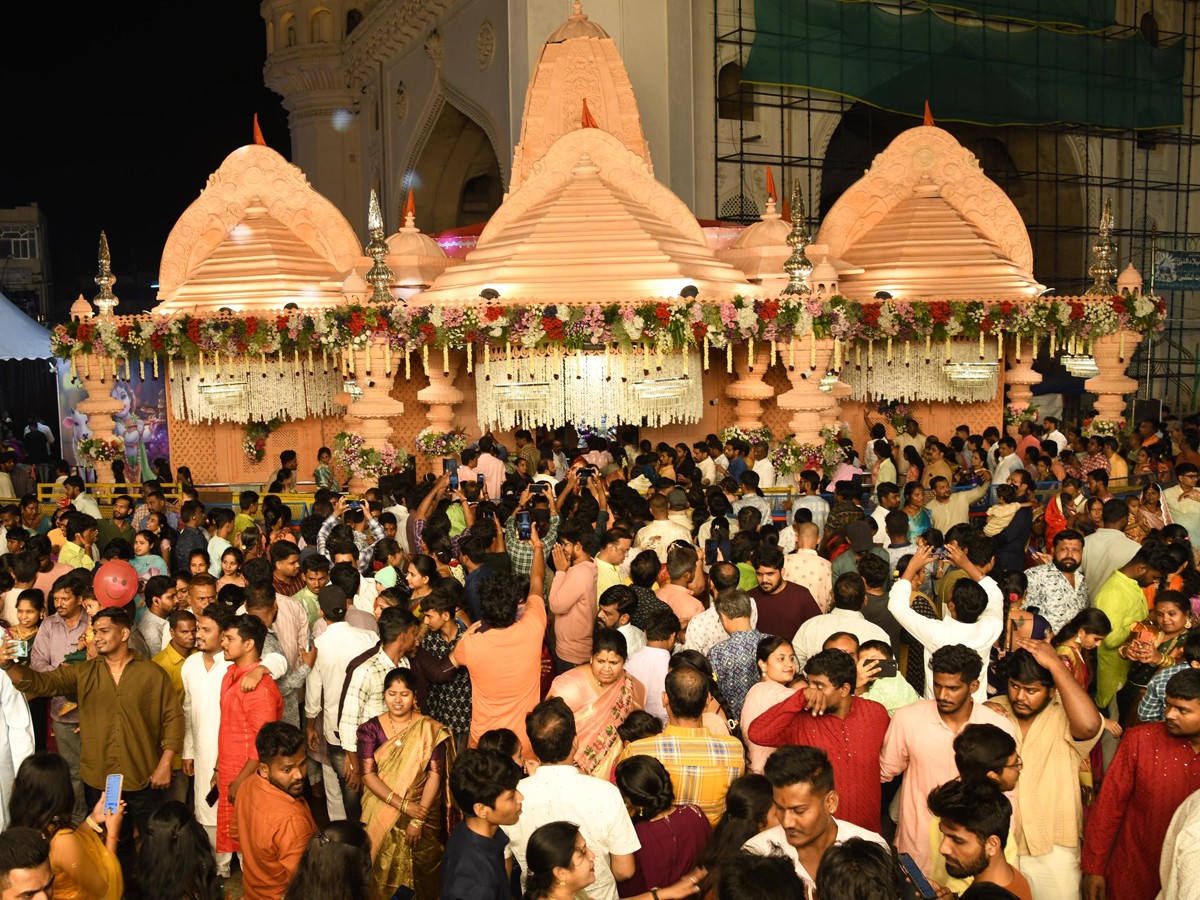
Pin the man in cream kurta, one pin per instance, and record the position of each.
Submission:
(202, 674)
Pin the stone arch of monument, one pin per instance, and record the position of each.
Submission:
(456, 147)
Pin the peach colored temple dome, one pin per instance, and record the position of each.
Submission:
(925, 221)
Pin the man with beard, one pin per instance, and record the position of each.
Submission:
(920, 742)
(805, 800)
(272, 821)
(1152, 773)
(974, 824)
(1057, 589)
(948, 507)
(1057, 726)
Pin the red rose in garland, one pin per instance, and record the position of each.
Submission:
(492, 313)
(428, 332)
(769, 309)
(84, 334)
(123, 332)
(281, 323)
(193, 330)
(939, 311)
(251, 327)
(987, 325)
(870, 315)
(156, 341)
(1077, 309)
(699, 330)
(662, 313)
(553, 326)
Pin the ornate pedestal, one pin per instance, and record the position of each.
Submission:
(1020, 378)
(441, 396)
(812, 407)
(370, 415)
(749, 391)
(98, 374)
(1112, 386)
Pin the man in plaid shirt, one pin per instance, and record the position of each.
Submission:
(701, 765)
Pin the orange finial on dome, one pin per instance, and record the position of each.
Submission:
(928, 115)
(771, 185)
(258, 135)
(410, 208)
(588, 120)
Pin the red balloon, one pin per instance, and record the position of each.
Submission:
(115, 583)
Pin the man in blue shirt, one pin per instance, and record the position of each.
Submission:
(484, 784)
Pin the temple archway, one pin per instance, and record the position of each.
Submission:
(456, 179)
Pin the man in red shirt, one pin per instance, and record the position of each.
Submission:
(243, 715)
(1152, 773)
(849, 729)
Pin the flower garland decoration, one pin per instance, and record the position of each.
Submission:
(896, 412)
(1015, 415)
(667, 325)
(93, 450)
(435, 443)
(1104, 428)
(254, 438)
(353, 455)
(752, 436)
(793, 456)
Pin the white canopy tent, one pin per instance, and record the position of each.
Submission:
(20, 336)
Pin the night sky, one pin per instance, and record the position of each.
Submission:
(115, 114)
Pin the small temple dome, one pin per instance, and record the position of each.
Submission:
(577, 26)
(81, 309)
(1129, 281)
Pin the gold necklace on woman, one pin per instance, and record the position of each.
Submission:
(396, 726)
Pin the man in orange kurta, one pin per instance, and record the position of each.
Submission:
(244, 711)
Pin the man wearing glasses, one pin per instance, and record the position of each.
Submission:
(1183, 500)
(1057, 725)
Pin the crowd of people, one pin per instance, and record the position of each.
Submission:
(607, 669)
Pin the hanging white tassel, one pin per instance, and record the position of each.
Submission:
(470, 357)
(871, 354)
(705, 351)
(1121, 346)
(999, 345)
(928, 347)
(154, 363)
(750, 355)
(889, 350)
(425, 357)
(142, 368)
(487, 360)
(729, 358)
(445, 359)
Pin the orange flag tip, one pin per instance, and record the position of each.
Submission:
(786, 215)
(410, 206)
(258, 135)
(588, 121)
(771, 185)
(928, 114)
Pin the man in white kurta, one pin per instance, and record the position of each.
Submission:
(16, 741)
(202, 674)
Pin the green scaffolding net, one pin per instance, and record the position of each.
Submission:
(1092, 15)
(985, 72)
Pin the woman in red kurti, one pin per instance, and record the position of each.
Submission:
(243, 713)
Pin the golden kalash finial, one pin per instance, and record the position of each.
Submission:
(380, 276)
(106, 300)
(798, 266)
(1104, 257)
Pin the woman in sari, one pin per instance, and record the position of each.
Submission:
(1076, 646)
(1152, 514)
(914, 507)
(406, 760)
(146, 560)
(601, 694)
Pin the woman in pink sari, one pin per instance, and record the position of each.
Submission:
(601, 694)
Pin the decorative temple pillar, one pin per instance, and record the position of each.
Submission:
(99, 375)
(1112, 386)
(371, 414)
(1019, 378)
(749, 391)
(441, 396)
(812, 408)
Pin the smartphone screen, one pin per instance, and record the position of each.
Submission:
(710, 552)
(914, 873)
(454, 479)
(112, 793)
(479, 479)
(523, 526)
(449, 465)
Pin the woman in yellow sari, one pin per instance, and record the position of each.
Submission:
(601, 694)
(406, 758)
